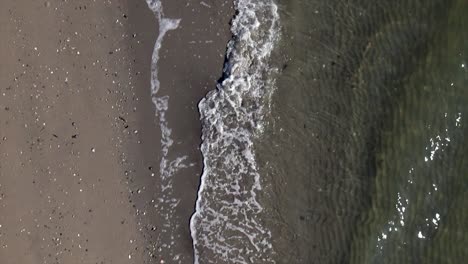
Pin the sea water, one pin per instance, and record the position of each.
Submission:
(365, 151)
(336, 135)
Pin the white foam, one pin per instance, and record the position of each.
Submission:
(227, 226)
(167, 237)
(165, 24)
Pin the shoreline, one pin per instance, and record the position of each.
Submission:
(190, 62)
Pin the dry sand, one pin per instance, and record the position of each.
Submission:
(79, 140)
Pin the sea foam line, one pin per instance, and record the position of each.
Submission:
(227, 226)
(167, 202)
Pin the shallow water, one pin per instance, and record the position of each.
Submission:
(364, 156)
(228, 223)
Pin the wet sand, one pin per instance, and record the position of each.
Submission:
(79, 140)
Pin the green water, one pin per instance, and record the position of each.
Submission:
(366, 155)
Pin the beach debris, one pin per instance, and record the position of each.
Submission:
(124, 120)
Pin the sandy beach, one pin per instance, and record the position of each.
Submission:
(80, 143)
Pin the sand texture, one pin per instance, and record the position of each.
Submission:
(80, 143)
